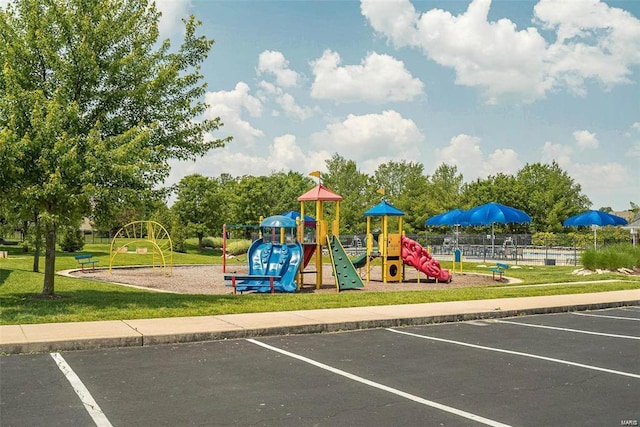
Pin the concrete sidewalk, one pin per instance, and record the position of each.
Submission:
(125, 333)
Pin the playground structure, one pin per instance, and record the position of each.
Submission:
(396, 249)
(144, 235)
(278, 260)
(345, 274)
(274, 259)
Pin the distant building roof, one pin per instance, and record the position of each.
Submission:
(86, 225)
(635, 224)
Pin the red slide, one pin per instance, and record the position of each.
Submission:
(415, 255)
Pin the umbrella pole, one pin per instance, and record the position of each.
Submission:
(456, 235)
(493, 248)
(595, 240)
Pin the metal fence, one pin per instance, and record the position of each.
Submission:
(517, 249)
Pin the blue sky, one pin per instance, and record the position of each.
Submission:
(488, 86)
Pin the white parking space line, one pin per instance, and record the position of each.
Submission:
(578, 331)
(383, 387)
(606, 317)
(518, 353)
(85, 397)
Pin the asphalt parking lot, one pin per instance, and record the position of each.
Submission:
(577, 368)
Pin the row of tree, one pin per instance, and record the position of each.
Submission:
(203, 204)
(547, 193)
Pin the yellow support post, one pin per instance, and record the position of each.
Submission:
(320, 237)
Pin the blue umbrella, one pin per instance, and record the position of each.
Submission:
(446, 218)
(595, 219)
(491, 213)
(599, 218)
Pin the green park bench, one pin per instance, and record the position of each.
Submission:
(86, 259)
(499, 269)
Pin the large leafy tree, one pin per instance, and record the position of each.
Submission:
(442, 193)
(404, 184)
(285, 188)
(355, 187)
(500, 188)
(196, 206)
(252, 200)
(93, 105)
(549, 195)
(445, 188)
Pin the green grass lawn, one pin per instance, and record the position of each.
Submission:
(86, 300)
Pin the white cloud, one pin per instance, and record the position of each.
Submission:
(284, 100)
(395, 19)
(585, 139)
(465, 152)
(283, 153)
(373, 138)
(634, 149)
(230, 106)
(491, 55)
(558, 152)
(173, 11)
(503, 160)
(272, 62)
(267, 88)
(594, 41)
(288, 104)
(288, 155)
(597, 179)
(378, 78)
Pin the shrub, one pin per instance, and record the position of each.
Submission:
(178, 237)
(207, 242)
(620, 255)
(238, 247)
(216, 242)
(212, 242)
(544, 239)
(72, 239)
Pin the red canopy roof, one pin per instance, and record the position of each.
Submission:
(319, 192)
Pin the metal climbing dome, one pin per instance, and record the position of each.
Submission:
(143, 237)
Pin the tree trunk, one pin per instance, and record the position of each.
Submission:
(37, 244)
(49, 261)
(25, 227)
(36, 259)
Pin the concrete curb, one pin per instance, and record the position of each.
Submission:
(37, 338)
